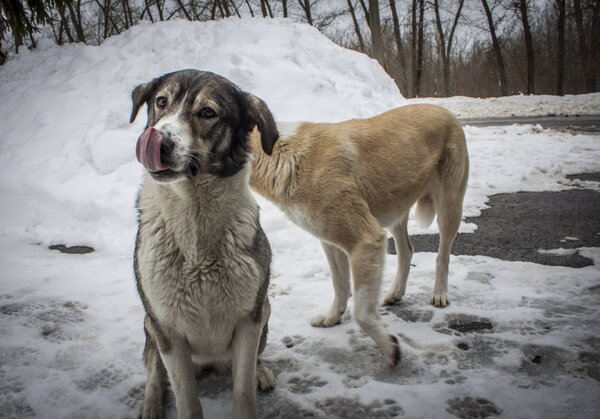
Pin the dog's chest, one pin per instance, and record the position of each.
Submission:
(300, 218)
(183, 289)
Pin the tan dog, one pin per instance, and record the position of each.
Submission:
(345, 182)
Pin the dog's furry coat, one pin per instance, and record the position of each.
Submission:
(344, 182)
(202, 260)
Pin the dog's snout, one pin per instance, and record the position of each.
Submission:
(166, 145)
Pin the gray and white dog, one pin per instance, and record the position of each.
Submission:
(201, 258)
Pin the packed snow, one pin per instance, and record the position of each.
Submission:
(520, 105)
(71, 325)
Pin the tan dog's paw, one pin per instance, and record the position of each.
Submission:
(265, 379)
(392, 298)
(440, 300)
(326, 319)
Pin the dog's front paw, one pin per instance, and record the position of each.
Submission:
(151, 410)
(392, 297)
(265, 379)
(440, 300)
(326, 319)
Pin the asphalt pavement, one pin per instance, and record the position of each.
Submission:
(516, 226)
(587, 123)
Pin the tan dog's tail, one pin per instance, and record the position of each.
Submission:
(425, 211)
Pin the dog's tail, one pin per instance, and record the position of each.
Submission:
(425, 211)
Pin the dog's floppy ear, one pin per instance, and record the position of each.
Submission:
(139, 96)
(261, 117)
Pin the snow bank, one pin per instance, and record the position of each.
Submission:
(521, 105)
(68, 163)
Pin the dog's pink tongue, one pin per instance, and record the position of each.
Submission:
(147, 150)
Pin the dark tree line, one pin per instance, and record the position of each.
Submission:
(430, 47)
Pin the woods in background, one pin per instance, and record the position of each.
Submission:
(475, 48)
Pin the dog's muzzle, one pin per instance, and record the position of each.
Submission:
(151, 150)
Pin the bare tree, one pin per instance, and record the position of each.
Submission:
(375, 26)
(361, 43)
(528, 47)
(560, 61)
(305, 5)
(399, 47)
(583, 50)
(284, 4)
(497, 49)
(419, 63)
(445, 46)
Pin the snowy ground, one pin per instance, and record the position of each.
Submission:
(519, 340)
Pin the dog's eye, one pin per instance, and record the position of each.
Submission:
(161, 102)
(207, 113)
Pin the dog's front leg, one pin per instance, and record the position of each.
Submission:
(244, 354)
(340, 277)
(177, 360)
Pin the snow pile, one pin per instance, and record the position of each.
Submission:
(67, 145)
(522, 105)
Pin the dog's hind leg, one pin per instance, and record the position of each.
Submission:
(340, 276)
(265, 379)
(448, 219)
(405, 250)
(366, 260)
(152, 406)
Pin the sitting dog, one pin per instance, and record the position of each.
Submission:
(345, 182)
(202, 260)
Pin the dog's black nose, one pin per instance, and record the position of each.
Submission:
(166, 146)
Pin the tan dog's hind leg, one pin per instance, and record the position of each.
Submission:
(405, 250)
(366, 260)
(448, 219)
(340, 276)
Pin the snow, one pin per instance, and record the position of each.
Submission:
(71, 325)
(520, 105)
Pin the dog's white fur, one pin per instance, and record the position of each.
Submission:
(344, 182)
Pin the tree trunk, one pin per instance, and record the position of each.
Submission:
(399, 47)
(442, 47)
(595, 35)
(413, 42)
(560, 62)
(159, 8)
(583, 51)
(376, 38)
(75, 18)
(284, 4)
(250, 8)
(449, 48)
(305, 4)
(497, 49)
(529, 48)
(420, 48)
(361, 43)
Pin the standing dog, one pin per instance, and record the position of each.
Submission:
(345, 182)
(201, 259)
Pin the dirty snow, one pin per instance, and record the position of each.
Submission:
(519, 340)
(519, 105)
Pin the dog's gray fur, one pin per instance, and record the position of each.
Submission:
(201, 258)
